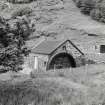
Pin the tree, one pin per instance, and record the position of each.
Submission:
(13, 36)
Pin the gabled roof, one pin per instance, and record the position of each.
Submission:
(48, 46)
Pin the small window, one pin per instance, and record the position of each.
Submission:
(45, 63)
(95, 47)
(64, 47)
(102, 48)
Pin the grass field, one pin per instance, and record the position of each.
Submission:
(59, 87)
(80, 86)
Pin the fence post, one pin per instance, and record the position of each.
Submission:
(71, 70)
(86, 72)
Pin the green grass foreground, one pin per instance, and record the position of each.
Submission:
(59, 87)
(39, 92)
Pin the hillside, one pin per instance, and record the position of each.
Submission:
(64, 20)
(93, 8)
(56, 16)
(74, 86)
(81, 86)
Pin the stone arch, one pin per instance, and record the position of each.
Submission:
(61, 60)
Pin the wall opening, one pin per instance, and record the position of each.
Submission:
(60, 61)
(102, 48)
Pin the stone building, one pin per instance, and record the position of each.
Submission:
(54, 54)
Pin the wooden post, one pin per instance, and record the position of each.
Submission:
(86, 72)
(54, 67)
(36, 63)
(71, 70)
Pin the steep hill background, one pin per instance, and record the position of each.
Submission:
(57, 19)
(54, 16)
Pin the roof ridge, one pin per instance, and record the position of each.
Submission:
(48, 46)
(40, 41)
(49, 43)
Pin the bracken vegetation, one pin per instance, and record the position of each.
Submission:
(23, 11)
(94, 8)
(39, 92)
(59, 87)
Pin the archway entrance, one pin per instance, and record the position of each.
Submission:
(61, 60)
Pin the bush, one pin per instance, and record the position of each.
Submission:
(21, 12)
(87, 6)
(95, 14)
(94, 8)
(101, 7)
(99, 12)
(78, 3)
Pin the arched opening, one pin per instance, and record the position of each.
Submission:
(60, 61)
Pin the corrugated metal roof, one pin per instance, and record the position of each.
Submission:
(47, 46)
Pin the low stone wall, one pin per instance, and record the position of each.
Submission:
(90, 58)
(83, 60)
(96, 57)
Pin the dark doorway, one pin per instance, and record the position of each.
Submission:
(62, 60)
(102, 48)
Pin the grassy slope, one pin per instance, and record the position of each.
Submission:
(40, 92)
(62, 20)
(60, 15)
(68, 22)
(71, 17)
(64, 87)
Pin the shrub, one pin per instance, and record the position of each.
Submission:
(87, 6)
(94, 8)
(95, 14)
(99, 12)
(78, 3)
(21, 12)
(101, 7)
